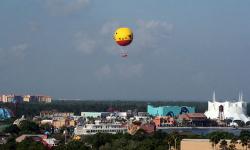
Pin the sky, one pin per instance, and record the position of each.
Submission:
(182, 50)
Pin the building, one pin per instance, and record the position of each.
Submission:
(18, 98)
(107, 115)
(55, 115)
(49, 143)
(203, 144)
(234, 110)
(169, 110)
(44, 99)
(94, 114)
(3, 98)
(40, 98)
(90, 129)
(63, 122)
(10, 98)
(162, 121)
(5, 113)
(137, 125)
(18, 121)
(194, 119)
(26, 98)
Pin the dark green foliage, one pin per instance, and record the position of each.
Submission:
(73, 145)
(27, 144)
(99, 139)
(12, 129)
(244, 137)
(27, 126)
(216, 137)
(223, 145)
(126, 141)
(10, 145)
(46, 127)
(221, 135)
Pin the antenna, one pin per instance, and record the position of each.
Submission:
(240, 96)
(214, 97)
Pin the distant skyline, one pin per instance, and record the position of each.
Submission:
(182, 50)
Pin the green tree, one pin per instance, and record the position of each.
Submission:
(46, 127)
(233, 143)
(107, 146)
(29, 144)
(132, 144)
(223, 145)
(10, 145)
(76, 145)
(215, 139)
(27, 126)
(12, 129)
(119, 143)
(244, 138)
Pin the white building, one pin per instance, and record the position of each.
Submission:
(89, 129)
(235, 110)
(18, 121)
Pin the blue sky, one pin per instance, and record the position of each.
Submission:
(182, 50)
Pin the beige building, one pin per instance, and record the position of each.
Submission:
(204, 144)
(7, 98)
(45, 99)
(26, 98)
(4, 98)
(63, 122)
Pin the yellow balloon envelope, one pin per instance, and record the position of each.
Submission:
(123, 36)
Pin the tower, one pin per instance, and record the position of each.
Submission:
(221, 113)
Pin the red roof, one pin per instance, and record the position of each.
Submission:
(193, 116)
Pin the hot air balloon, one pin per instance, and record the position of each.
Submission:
(123, 37)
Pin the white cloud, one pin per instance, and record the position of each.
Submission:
(109, 27)
(65, 7)
(13, 53)
(88, 43)
(150, 33)
(147, 35)
(19, 50)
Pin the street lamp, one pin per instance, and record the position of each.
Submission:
(65, 132)
(175, 143)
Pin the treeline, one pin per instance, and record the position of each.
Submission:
(31, 109)
(101, 141)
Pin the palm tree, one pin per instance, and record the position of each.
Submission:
(215, 139)
(169, 140)
(233, 143)
(244, 141)
(244, 137)
(223, 145)
(173, 139)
